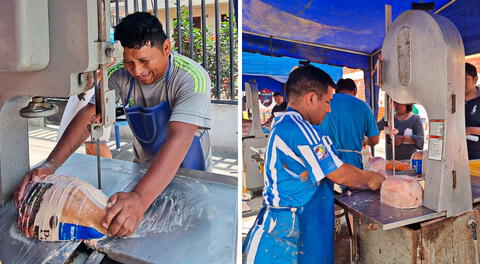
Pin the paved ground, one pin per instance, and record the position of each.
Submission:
(43, 139)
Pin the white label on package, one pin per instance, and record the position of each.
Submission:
(435, 148)
(436, 127)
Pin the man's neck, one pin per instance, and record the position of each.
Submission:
(301, 110)
(347, 92)
(472, 94)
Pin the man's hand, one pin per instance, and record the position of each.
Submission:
(376, 181)
(124, 213)
(36, 174)
(399, 140)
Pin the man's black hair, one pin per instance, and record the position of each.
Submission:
(140, 29)
(470, 70)
(409, 108)
(308, 79)
(346, 85)
(277, 94)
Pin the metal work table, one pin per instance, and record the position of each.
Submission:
(367, 203)
(193, 221)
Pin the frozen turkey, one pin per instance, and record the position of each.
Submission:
(376, 164)
(401, 192)
(61, 207)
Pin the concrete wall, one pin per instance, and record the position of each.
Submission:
(224, 133)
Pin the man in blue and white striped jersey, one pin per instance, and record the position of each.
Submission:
(296, 223)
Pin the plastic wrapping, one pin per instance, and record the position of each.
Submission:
(62, 207)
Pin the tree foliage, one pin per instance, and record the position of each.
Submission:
(224, 41)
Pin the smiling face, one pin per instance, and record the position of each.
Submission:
(147, 64)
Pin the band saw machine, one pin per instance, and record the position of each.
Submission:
(423, 61)
(51, 49)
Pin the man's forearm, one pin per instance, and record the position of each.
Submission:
(350, 176)
(73, 137)
(473, 130)
(166, 163)
(372, 141)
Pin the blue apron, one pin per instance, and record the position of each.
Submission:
(316, 220)
(149, 125)
(317, 226)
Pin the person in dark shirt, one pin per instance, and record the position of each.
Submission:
(472, 110)
(410, 133)
(280, 106)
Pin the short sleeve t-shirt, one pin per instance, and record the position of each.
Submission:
(298, 157)
(280, 108)
(472, 119)
(188, 94)
(348, 122)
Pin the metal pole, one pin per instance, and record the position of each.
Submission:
(126, 7)
(217, 49)
(167, 19)
(190, 28)
(101, 89)
(117, 12)
(155, 8)
(144, 5)
(135, 5)
(179, 27)
(204, 36)
(232, 54)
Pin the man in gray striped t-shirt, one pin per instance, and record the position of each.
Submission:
(167, 104)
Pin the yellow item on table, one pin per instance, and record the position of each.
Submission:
(474, 167)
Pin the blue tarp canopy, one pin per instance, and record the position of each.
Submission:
(341, 32)
(272, 72)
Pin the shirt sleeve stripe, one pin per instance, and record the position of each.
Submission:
(190, 71)
(312, 161)
(314, 132)
(195, 72)
(114, 68)
(301, 128)
(202, 81)
(282, 146)
(305, 125)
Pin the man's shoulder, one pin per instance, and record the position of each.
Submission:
(190, 73)
(117, 72)
(188, 65)
(353, 103)
(293, 128)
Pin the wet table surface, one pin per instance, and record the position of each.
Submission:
(367, 203)
(193, 221)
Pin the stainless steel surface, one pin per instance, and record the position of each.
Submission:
(38, 107)
(193, 221)
(367, 204)
(391, 128)
(17, 249)
(416, 45)
(99, 167)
